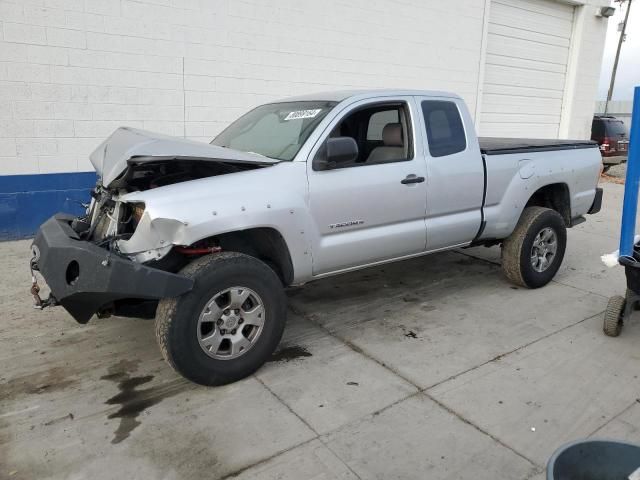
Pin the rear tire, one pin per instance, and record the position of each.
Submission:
(180, 322)
(532, 254)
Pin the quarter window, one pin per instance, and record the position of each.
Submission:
(445, 132)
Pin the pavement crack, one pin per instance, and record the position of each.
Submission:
(424, 391)
(478, 428)
(277, 397)
(502, 355)
(328, 447)
(352, 346)
(614, 417)
(265, 460)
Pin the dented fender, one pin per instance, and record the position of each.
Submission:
(153, 238)
(185, 213)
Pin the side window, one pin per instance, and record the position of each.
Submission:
(445, 132)
(382, 132)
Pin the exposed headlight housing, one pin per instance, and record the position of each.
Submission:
(137, 210)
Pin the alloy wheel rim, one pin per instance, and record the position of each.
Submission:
(231, 323)
(544, 249)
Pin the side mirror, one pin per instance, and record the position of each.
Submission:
(335, 152)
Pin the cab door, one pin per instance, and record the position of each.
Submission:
(455, 172)
(374, 208)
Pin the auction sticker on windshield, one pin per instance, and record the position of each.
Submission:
(298, 114)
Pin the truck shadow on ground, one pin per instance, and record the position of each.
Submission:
(421, 285)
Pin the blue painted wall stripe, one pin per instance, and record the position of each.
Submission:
(28, 200)
(44, 182)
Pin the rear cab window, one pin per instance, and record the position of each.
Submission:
(616, 128)
(444, 127)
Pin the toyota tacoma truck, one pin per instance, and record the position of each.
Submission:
(206, 237)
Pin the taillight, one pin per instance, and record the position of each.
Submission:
(605, 146)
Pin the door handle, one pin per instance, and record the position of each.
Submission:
(412, 179)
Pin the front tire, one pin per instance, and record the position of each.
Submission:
(532, 254)
(228, 325)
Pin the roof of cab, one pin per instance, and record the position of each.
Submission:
(341, 95)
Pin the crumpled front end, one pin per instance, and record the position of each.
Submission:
(86, 278)
(132, 240)
(127, 226)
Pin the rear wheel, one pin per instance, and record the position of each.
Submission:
(228, 325)
(532, 254)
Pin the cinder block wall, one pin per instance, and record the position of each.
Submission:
(71, 71)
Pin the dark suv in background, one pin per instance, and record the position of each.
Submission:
(613, 137)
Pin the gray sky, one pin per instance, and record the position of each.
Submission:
(628, 74)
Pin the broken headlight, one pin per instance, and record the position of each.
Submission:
(137, 210)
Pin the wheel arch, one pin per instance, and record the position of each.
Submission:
(555, 196)
(264, 243)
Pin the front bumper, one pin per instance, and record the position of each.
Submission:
(84, 277)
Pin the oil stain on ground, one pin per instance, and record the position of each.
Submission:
(134, 401)
(289, 353)
(51, 380)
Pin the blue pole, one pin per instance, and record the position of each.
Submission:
(632, 182)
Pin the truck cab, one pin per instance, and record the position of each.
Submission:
(390, 200)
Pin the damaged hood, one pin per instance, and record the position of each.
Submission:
(130, 145)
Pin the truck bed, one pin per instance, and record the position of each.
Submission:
(504, 146)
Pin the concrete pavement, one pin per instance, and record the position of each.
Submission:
(431, 368)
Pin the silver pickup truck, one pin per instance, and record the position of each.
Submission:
(205, 237)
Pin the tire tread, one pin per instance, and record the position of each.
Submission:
(167, 311)
(512, 253)
(612, 316)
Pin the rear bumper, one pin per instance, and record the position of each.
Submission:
(615, 160)
(84, 277)
(597, 202)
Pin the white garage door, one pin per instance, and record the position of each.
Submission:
(526, 63)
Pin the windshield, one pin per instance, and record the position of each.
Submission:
(275, 130)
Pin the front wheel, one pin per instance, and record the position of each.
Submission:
(532, 254)
(228, 325)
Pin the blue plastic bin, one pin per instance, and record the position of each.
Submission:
(594, 460)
